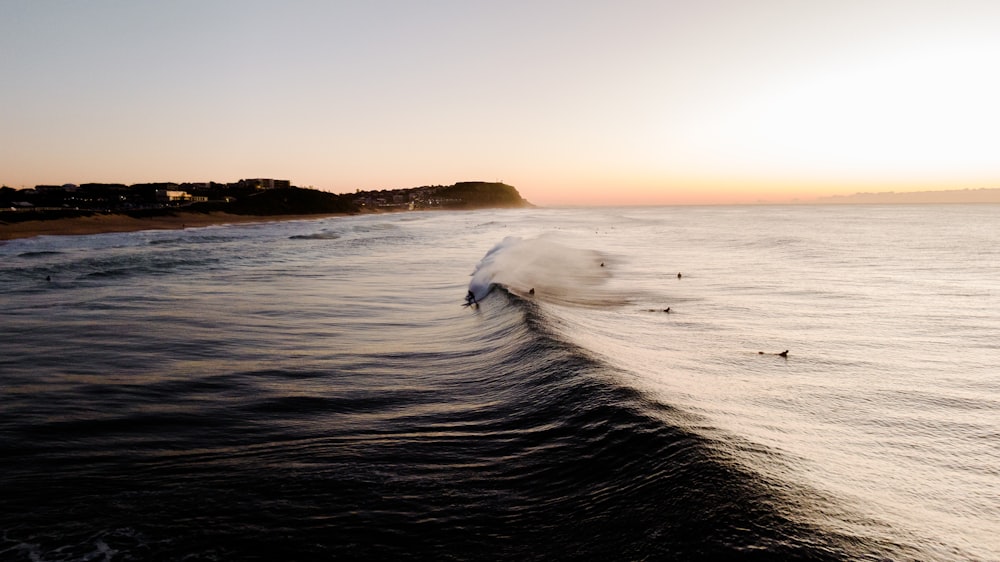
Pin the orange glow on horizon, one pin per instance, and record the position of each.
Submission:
(695, 192)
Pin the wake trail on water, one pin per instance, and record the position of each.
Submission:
(545, 269)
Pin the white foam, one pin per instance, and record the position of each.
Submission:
(556, 272)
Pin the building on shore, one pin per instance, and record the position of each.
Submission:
(168, 196)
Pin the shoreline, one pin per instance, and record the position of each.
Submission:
(105, 224)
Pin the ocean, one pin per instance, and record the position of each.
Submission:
(323, 390)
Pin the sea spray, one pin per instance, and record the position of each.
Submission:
(548, 270)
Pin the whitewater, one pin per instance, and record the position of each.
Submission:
(614, 389)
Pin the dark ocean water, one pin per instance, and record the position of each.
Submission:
(315, 390)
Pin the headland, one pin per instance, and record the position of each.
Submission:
(103, 208)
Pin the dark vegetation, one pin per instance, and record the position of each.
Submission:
(281, 201)
(481, 194)
(462, 195)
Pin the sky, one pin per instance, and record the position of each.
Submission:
(572, 102)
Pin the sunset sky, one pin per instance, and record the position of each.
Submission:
(572, 102)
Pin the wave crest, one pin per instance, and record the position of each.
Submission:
(547, 270)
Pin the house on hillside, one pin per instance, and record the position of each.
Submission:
(264, 183)
(168, 196)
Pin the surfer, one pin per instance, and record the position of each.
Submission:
(470, 299)
(678, 275)
(783, 353)
(532, 291)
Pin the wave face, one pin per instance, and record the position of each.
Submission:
(315, 390)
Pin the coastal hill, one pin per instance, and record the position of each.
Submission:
(984, 195)
(462, 195)
(247, 197)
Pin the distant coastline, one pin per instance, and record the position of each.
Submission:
(983, 195)
(104, 208)
(21, 218)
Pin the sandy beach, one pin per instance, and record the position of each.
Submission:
(99, 224)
